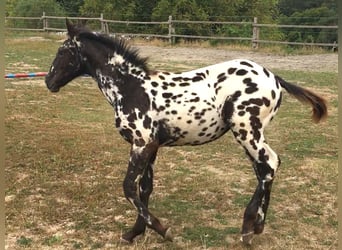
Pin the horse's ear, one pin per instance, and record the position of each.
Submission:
(71, 28)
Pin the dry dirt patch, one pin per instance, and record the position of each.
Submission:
(206, 56)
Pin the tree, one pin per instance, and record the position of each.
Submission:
(138, 10)
(162, 10)
(314, 16)
(71, 7)
(144, 9)
(220, 10)
(265, 10)
(93, 8)
(10, 5)
(130, 10)
(34, 8)
(289, 7)
(188, 10)
(224, 10)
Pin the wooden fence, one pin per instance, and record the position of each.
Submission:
(46, 24)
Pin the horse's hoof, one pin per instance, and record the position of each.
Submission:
(168, 235)
(127, 238)
(125, 241)
(259, 228)
(247, 238)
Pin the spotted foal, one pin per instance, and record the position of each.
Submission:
(155, 109)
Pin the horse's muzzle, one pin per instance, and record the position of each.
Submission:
(51, 84)
(54, 90)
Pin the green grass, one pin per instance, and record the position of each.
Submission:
(65, 164)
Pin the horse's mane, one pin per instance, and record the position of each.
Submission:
(120, 46)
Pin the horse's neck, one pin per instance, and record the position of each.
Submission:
(108, 85)
(125, 67)
(116, 76)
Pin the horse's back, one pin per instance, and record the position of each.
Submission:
(198, 106)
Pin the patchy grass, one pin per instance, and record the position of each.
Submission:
(65, 164)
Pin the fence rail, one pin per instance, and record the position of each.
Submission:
(170, 30)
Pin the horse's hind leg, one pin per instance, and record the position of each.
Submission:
(139, 180)
(145, 190)
(265, 163)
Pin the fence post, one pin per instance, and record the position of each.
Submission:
(255, 37)
(171, 30)
(102, 24)
(45, 22)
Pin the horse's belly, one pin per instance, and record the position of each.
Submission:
(194, 129)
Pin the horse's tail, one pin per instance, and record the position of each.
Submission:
(318, 104)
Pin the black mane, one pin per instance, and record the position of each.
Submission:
(120, 46)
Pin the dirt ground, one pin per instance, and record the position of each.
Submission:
(205, 56)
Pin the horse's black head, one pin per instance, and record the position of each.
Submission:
(67, 64)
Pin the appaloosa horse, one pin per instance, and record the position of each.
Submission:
(155, 109)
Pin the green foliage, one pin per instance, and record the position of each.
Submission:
(10, 5)
(181, 10)
(288, 7)
(162, 10)
(189, 11)
(34, 8)
(24, 242)
(310, 12)
(143, 9)
(220, 10)
(91, 8)
(314, 16)
(52, 240)
(113, 10)
(71, 7)
(265, 10)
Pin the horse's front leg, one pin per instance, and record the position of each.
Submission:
(145, 190)
(138, 187)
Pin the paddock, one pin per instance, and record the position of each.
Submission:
(65, 163)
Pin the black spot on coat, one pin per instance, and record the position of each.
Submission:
(227, 110)
(197, 78)
(167, 95)
(231, 71)
(147, 122)
(266, 72)
(134, 95)
(241, 72)
(247, 64)
(184, 84)
(251, 86)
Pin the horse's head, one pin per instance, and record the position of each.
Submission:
(68, 63)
